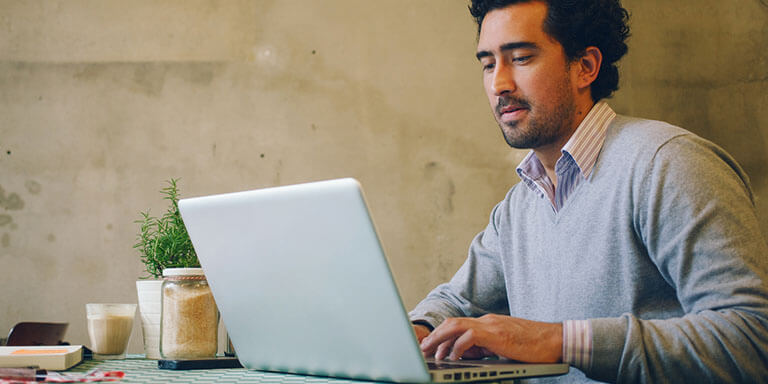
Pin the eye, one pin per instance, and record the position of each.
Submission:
(488, 67)
(522, 59)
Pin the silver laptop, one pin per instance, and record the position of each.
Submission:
(303, 287)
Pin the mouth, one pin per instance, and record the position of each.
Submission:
(511, 109)
(512, 112)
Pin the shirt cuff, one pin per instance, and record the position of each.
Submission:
(577, 344)
(424, 323)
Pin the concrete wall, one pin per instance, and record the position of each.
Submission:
(101, 101)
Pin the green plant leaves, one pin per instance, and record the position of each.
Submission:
(164, 242)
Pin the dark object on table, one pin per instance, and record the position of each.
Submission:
(87, 353)
(220, 362)
(32, 333)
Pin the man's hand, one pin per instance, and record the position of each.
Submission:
(504, 336)
(421, 331)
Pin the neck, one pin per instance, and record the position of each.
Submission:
(549, 154)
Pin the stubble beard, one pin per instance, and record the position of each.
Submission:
(543, 127)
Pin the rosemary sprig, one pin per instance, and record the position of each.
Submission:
(164, 242)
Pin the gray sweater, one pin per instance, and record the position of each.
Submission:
(660, 249)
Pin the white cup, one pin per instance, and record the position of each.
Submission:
(109, 328)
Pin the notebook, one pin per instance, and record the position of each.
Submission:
(303, 287)
(51, 357)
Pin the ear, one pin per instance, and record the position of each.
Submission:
(588, 67)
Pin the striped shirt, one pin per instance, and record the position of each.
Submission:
(578, 158)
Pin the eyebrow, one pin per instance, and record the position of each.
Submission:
(508, 47)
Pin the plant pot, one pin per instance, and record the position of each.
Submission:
(149, 307)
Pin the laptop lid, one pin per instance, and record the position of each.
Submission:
(303, 286)
(301, 282)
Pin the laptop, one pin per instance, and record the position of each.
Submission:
(303, 287)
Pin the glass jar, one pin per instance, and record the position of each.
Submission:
(189, 319)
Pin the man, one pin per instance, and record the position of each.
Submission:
(631, 250)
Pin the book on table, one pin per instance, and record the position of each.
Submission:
(51, 357)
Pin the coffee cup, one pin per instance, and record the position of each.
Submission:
(109, 328)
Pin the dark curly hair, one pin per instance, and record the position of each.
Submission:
(576, 25)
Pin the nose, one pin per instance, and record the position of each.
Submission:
(503, 80)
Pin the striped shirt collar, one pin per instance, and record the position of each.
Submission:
(588, 139)
(583, 146)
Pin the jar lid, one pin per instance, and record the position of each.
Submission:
(183, 272)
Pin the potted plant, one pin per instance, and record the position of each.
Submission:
(163, 242)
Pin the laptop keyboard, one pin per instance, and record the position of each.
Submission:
(448, 365)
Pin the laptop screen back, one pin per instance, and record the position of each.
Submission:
(302, 283)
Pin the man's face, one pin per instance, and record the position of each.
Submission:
(526, 76)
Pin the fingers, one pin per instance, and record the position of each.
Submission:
(443, 349)
(451, 339)
(441, 338)
(464, 342)
(430, 344)
(503, 336)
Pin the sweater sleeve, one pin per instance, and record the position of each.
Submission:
(696, 215)
(476, 289)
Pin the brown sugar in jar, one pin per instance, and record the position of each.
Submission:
(190, 320)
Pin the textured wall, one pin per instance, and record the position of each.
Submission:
(101, 101)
